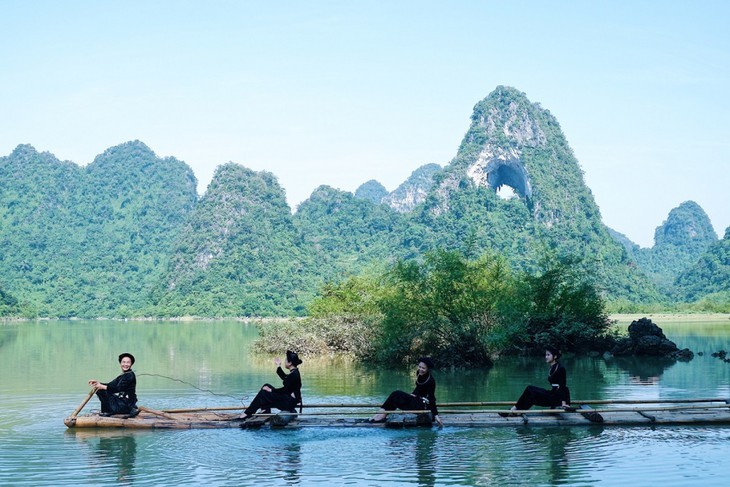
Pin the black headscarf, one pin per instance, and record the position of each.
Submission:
(427, 361)
(125, 354)
(293, 358)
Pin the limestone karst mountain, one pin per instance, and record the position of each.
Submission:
(89, 241)
(709, 275)
(678, 242)
(239, 253)
(515, 143)
(372, 191)
(413, 191)
(127, 235)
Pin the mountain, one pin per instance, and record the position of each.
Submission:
(515, 143)
(128, 236)
(346, 234)
(239, 253)
(371, 191)
(622, 239)
(678, 242)
(413, 190)
(89, 241)
(708, 275)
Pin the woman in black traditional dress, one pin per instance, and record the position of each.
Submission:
(557, 396)
(118, 396)
(422, 397)
(285, 398)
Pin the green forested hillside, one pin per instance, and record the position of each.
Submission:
(89, 241)
(413, 190)
(127, 235)
(9, 305)
(345, 234)
(678, 242)
(239, 253)
(372, 191)
(710, 275)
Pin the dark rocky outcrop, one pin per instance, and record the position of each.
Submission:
(646, 338)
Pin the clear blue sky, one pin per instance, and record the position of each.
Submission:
(342, 92)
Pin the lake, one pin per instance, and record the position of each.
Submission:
(45, 366)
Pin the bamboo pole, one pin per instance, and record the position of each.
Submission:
(468, 404)
(158, 413)
(83, 403)
(535, 412)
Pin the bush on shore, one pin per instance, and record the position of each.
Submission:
(458, 310)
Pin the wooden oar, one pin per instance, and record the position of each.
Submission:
(71, 420)
(83, 403)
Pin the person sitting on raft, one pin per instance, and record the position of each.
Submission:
(284, 398)
(119, 396)
(422, 397)
(558, 395)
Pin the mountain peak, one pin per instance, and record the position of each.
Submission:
(372, 191)
(413, 190)
(686, 226)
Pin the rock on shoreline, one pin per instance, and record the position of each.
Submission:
(646, 338)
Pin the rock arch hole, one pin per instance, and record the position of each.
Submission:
(509, 179)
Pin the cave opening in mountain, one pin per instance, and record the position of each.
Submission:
(509, 179)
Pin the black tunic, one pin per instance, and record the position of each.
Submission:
(284, 398)
(553, 397)
(422, 397)
(558, 379)
(426, 388)
(292, 384)
(120, 395)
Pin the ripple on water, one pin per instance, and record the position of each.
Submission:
(363, 456)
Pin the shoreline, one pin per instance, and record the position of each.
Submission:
(620, 317)
(671, 317)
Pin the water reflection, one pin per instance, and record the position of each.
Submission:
(426, 458)
(557, 445)
(292, 463)
(643, 369)
(113, 451)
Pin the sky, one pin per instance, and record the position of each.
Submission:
(338, 93)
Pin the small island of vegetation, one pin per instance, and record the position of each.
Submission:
(462, 311)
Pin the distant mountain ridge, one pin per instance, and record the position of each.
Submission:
(128, 236)
(679, 242)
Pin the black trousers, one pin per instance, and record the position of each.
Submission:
(113, 404)
(267, 400)
(403, 400)
(537, 396)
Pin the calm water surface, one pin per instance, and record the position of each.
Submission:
(46, 366)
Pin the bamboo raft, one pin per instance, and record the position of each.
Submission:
(461, 414)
